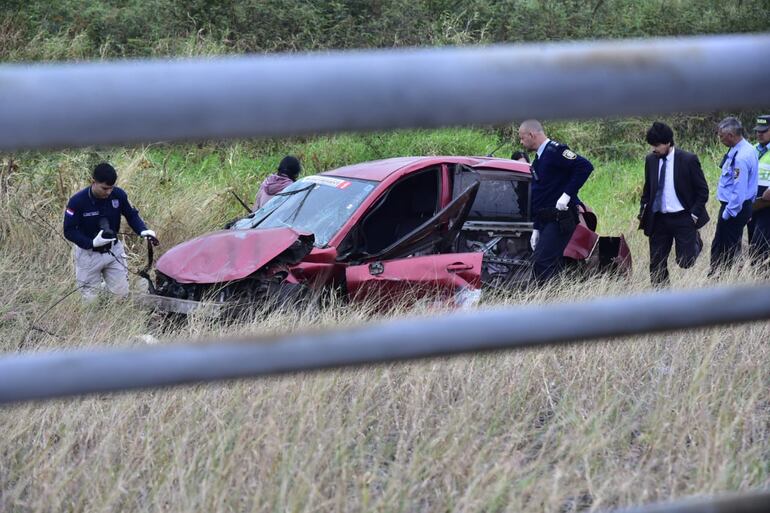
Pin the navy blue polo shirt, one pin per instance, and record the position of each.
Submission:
(81, 218)
(557, 171)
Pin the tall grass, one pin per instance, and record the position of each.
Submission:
(562, 429)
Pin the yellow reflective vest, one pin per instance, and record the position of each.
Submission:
(764, 166)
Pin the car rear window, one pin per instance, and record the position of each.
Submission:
(502, 196)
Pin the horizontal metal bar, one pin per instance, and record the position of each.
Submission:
(60, 374)
(757, 502)
(294, 94)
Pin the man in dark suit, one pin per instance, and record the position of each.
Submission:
(673, 203)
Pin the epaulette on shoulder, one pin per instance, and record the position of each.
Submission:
(563, 150)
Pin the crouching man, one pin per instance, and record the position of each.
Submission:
(92, 222)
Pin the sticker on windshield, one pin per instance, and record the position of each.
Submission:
(329, 181)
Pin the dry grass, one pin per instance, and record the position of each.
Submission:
(563, 429)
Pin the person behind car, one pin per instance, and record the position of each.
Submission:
(673, 203)
(520, 156)
(557, 175)
(91, 222)
(759, 231)
(736, 192)
(288, 171)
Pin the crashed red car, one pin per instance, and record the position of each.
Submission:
(442, 224)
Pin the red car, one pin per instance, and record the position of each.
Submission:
(446, 225)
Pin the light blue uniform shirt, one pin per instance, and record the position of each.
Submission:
(739, 178)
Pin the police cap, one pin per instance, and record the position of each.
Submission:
(763, 123)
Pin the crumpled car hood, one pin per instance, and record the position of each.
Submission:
(228, 255)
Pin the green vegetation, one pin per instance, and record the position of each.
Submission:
(77, 29)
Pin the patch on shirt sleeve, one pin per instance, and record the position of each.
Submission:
(69, 212)
(569, 154)
(115, 203)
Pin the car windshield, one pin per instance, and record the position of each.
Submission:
(315, 204)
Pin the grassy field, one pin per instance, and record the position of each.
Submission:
(565, 429)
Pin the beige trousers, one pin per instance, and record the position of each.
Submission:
(92, 267)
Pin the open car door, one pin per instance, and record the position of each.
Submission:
(420, 263)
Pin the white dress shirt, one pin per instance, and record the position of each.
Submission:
(541, 148)
(669, 203)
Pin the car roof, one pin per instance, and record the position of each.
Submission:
(379, 170)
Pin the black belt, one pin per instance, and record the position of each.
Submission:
(104, 249)
(567, 219)
(547, 215)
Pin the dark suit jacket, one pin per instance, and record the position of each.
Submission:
(689, 183)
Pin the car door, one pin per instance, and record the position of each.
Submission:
(421, 262)
(447, 277)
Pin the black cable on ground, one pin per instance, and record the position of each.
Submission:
(33, 326)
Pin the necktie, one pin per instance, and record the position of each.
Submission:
(658, 203)
(724, 159)
(533, 167)
(762, 150)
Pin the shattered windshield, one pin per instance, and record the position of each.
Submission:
(316, 204)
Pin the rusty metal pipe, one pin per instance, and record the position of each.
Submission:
(757, 502)
(124, 102)
(67, 373)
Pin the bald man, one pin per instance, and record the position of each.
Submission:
(558, 173)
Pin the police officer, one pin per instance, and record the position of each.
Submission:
(91, 222)
(736, 192)
(558, 173)
(759, 232)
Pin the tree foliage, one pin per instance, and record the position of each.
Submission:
(73, 29)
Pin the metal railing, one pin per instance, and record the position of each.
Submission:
(67, 373)
(146, 101)
(731, 503)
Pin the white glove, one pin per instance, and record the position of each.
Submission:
(100, 241)
(563, 202)
(148, 233)
(533, 238)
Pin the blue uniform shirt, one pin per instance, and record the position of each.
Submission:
(81, 218)
(557, 171)
(740, 177)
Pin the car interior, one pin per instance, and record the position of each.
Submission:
(406, 206)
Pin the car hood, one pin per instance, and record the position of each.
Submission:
(229, 255)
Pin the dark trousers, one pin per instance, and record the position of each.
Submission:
(726, 245)
(677, 229)
(760, 237)
(549, 251)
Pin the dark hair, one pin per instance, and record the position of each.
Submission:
(518, 154)
(105, 173)
(290, 167)
(660, 133)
